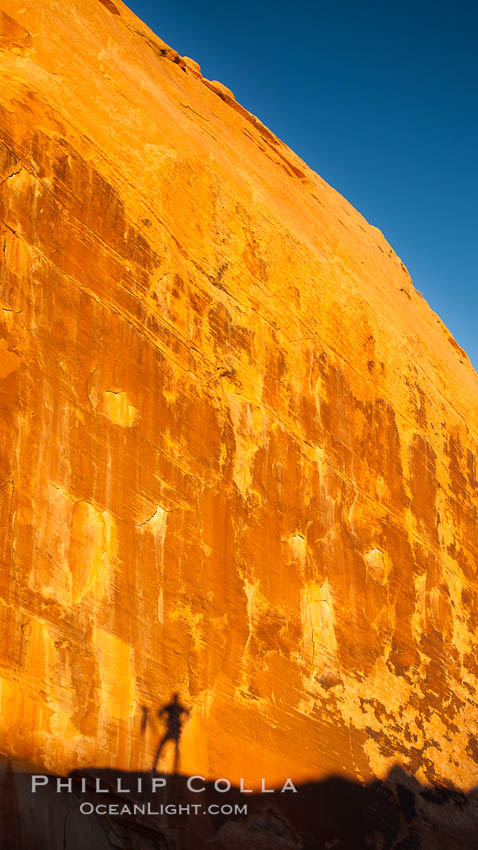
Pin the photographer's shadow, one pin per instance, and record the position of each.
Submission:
(173, 714)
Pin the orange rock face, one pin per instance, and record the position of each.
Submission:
(237, 446)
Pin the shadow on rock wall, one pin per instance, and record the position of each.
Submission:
(397, 813)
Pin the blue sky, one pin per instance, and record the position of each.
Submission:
(380, 99)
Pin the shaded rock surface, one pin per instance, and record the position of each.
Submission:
(238, 449)
(396, 813)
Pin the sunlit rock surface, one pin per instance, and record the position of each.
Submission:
(237, 454)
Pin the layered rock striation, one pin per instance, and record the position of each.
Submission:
(238, 449)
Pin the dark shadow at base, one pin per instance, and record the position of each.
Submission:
(100, 809)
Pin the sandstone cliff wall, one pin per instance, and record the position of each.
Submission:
(237, 446)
